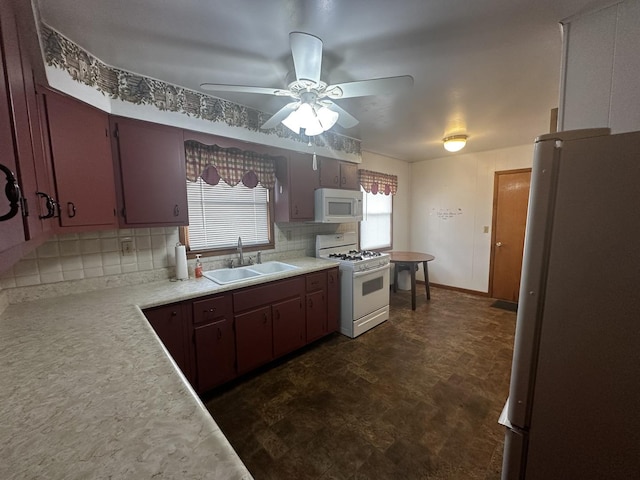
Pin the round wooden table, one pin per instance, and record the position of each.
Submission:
(409, 261)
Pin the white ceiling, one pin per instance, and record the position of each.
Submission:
(488, 68)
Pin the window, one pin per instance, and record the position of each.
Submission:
(375, 227)
(219, 214)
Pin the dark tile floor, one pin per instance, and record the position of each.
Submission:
(418, 397)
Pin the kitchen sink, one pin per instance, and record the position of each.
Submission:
(272, 267)
(224, 276)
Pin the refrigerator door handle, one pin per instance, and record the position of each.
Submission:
(513, 462)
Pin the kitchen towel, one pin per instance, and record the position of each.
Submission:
(181, 262)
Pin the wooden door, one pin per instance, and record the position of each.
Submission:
(254, 339)
(303, 181)
(82, 162)
(215, 353)
(333, 300)
(11, 229)
(288, 326)
(169, 323)
(510, 201)
(153, 173)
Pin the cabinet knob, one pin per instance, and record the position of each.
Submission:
(264, 317)
(174, 314)
(336, 180)
(344, 180)
(176, 211)
(71, 209)
(212, 310)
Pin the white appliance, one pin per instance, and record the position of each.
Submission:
(574, 398)
(333, 205)
(364, 282)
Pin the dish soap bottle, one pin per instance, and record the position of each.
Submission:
(198, 270)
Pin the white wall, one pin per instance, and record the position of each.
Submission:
(451, 204)
(601, 69)
(402, 200)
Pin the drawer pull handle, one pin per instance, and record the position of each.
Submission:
(12, 192)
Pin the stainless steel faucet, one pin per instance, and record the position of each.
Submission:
(240, 251)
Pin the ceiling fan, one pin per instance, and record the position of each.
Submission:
(313, 108)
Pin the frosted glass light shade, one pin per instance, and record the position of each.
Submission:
(312, 119)
(292, 122)
(454, 143)
(327, 117)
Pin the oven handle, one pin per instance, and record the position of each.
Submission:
(373, 270)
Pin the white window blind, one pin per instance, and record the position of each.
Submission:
(375, 227)
(219, 214)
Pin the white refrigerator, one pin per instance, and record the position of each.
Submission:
(574, 400)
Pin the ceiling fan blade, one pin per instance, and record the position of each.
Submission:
(215, 87)
(345, 119)
(375, 86)
(279, 116)
(307, 56)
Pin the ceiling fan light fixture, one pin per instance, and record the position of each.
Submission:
(454, 143)
(327, 117)
(292, 122)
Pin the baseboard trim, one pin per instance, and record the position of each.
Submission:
(457, 289)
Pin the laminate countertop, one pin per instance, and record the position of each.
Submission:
(88, 391)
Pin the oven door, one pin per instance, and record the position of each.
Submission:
(370, 291)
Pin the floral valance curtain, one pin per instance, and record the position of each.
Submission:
(376, 182)
(233, 165)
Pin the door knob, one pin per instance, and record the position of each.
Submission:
(498, 244)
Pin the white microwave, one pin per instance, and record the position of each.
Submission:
(338, 206)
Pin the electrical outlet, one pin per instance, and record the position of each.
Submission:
(126, 247)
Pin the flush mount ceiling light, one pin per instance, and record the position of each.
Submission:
(455, 143)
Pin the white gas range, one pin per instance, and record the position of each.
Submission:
(364, 282)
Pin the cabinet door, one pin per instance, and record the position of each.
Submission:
(333, 300)
(215, 351)
(169, 323)
(253, 339)
(82, 162)
(329, 173)
(11, 229)
(289, 330)
(303, 181)
(150, 161)
(316, 315)
(349, 176)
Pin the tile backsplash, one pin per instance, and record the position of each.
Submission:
(92, 256)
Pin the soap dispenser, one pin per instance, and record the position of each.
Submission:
(198, 270)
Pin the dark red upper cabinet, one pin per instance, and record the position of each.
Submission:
(337, 174)
(296, 181)
(82, 163)
(12, 233)
(150, 173)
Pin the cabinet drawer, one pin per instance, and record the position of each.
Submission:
(272, 292)
(208, 310)
(316, 281)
